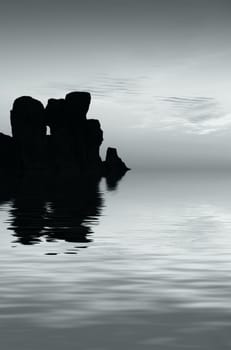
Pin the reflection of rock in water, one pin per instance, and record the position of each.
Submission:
(59, 210)
(57, 176)
(113, 180)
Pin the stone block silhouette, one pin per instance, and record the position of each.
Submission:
(74, 141)
(61, 141)
(94, 139)
(113, 163)
(29, 131)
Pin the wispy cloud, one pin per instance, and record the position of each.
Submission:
(193, 114)
(102, 86)
(201, 115)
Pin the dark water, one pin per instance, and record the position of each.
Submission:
(144, 266)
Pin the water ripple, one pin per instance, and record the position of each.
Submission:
(158, 270)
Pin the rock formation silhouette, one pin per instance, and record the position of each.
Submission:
(8, 154)
(73, 145)
(52, 179)
(29, 131)
(113, 163)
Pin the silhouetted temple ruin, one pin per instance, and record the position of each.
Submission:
(73, 144)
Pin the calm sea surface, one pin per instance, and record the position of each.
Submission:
(144, 265)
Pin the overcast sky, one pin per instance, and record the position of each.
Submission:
(159, 72)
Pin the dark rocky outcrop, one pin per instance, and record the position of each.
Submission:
(53, 179)
(73, 145)
(61, 150)
(113, 163)
(77, 106)
(94, 139)
(29, 131)
(8, 152)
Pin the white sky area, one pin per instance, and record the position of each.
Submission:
(159, 73)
